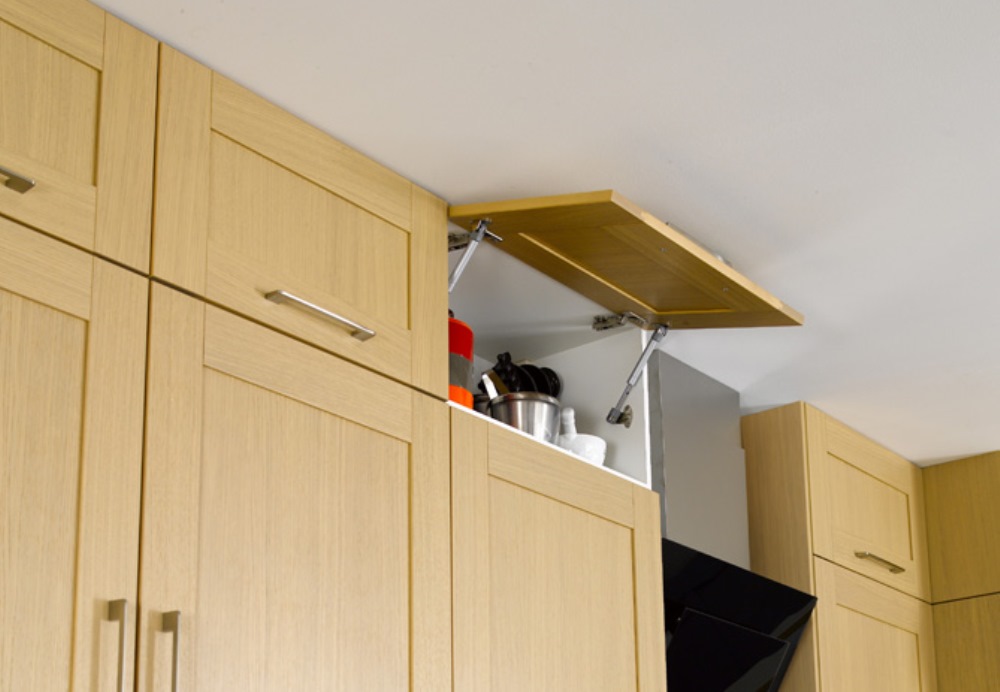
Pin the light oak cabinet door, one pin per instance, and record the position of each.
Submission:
(295, 515)
(77, 118)
(867, 506)
(251, 201)
(871, 638)
(557, 570)
(72, 364)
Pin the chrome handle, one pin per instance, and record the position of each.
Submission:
(357, 331)
(118, 611)
(172, 623)
(16, 181)
(891, 566)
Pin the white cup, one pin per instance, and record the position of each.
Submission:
(590, 447)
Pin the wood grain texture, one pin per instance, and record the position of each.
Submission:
(171, 485)
(75, 27)
(606, 248)
(967, 639)
(271, 229)
(523, 461)
(548, 592)
(262, 356)
(866, 498)
(47, 271)
(470, 552)
(42, 355)
(430, 536)
(872, 638)
(649, 625)
(963, 526)
(429, 293)
(49, 107)
(183, 171)
(111, 473)
(71, 422)
(245, 117)
(562, 607)
(778, 503)
(125, 156)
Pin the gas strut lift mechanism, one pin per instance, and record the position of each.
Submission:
(619, 415)
(470, 242)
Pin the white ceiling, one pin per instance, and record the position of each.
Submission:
(843, 155)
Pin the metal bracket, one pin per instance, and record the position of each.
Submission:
(479, 232)
(622, 414)
(602, 323)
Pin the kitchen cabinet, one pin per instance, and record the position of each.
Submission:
(817, 488)
(77, 117)
(557, 575)
(251, 201)
(963, 527)
(72, 364)
(864, 504)
(295, 515)
(871, 638)
(967, 637)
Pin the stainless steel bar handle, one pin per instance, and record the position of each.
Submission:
(118, 611)
(358, 331)
(16, 181)
(891, 566)
(172, 623)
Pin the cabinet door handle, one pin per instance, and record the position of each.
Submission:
(118, 611)
(891, 566)
(172, 623)
(16, 181)
(357, 331)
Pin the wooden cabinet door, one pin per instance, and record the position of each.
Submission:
(557, 570)
(295, 515)
(867, 506)
(77, 117)
(871, 638)
(72, 368)
(251, 200)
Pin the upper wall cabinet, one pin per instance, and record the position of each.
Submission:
(621, 257)
(77, 119)
(262, 213)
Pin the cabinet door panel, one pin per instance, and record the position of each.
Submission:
(76, 117)
(72, 351)
(871, 637)
(251, 200)
(866, 500)
(557, 583)
(279, 525)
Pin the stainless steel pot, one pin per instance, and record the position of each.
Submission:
(531, 412)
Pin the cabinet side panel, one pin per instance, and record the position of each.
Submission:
(777, 495)
(651, 646)
(470, 552)
(429, 293)
(962, 519)
(967, 639)
(430, 535)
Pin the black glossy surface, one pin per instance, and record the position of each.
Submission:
(726, 626)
